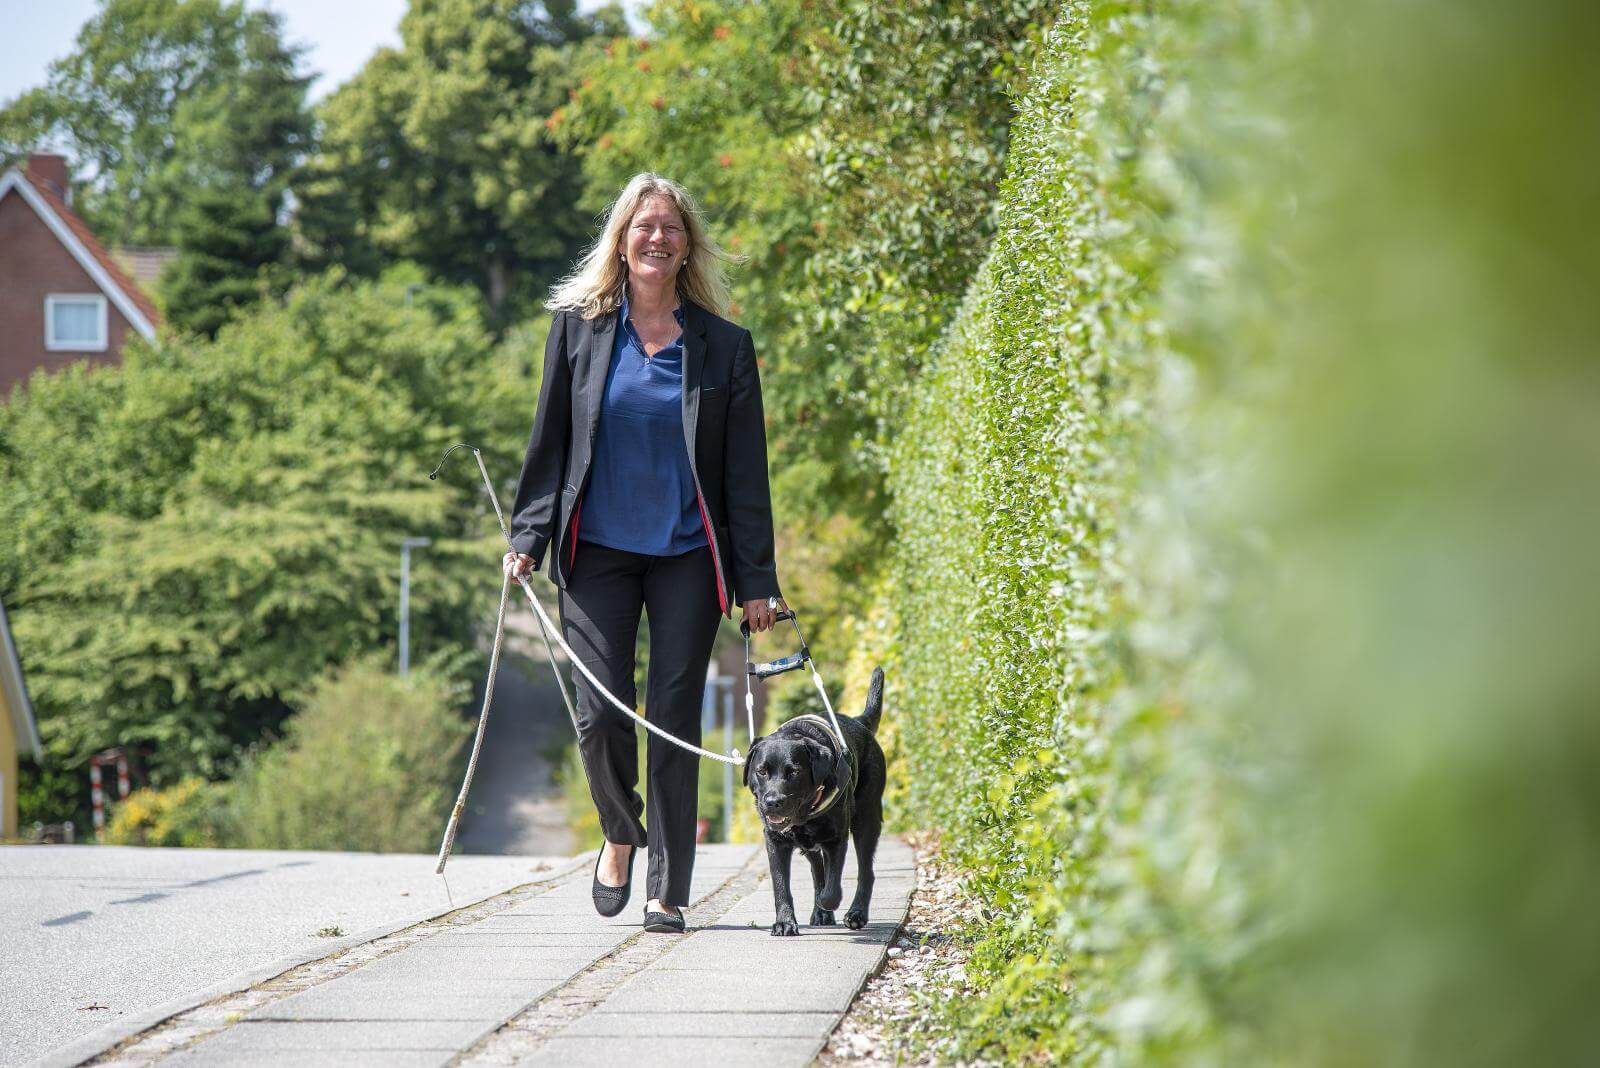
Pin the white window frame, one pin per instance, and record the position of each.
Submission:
(53, 345)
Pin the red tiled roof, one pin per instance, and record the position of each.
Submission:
(81, 231)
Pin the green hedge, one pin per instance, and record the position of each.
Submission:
(1239, 604)
(370, 762)
(1006, 487)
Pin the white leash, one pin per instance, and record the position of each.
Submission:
(550, 631)
(547, 631)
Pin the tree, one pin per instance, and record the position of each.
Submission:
(440, 152)
(228, 245)
(849, 150)
(188, 540)
(161, 97)
(711, 99)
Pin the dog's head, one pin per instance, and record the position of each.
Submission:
(788, 774)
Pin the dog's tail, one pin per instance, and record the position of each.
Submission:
(869, 718)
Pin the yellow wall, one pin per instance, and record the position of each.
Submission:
(8, 772)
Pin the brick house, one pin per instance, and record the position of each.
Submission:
(63, 296)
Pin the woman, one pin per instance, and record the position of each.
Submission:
(646, 480)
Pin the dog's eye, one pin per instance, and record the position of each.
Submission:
(789, 772)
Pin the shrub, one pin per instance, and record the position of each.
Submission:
(190, 813)
(369, 762)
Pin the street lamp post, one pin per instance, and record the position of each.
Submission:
(406, 545)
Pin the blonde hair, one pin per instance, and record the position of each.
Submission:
(595, 286)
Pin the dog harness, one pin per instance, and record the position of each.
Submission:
(821, 804)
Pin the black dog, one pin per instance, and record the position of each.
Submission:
(813, 796)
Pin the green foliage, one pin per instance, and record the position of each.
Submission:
(190, 813)
(439, 152)
(368, 762)
(47, 793)
(909, 119)
(228, 247)
(190, 539)
(159, 98)
(1006, 483)
(709, 99)
(855, 184)
(1252, 704)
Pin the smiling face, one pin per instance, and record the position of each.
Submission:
(655, 242)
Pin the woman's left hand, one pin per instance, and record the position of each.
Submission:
(761, 615)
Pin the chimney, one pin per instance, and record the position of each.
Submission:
(51, 170)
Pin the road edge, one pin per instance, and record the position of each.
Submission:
(93, 1044)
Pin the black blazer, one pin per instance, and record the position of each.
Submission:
(723, 429)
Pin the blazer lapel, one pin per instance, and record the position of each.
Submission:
(602, 339)
(694, 362)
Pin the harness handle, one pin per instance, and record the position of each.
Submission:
(767, 669)
(783, 614)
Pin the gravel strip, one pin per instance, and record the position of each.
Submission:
(893, 1021)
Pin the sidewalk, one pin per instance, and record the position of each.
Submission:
(535, 977)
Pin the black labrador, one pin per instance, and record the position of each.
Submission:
(815, 798)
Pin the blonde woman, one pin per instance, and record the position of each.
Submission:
(646, 481)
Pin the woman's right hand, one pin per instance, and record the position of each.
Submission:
(518, 565)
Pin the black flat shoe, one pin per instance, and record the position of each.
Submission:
(610, 900)
(663, 922)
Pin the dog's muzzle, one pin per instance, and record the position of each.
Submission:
(780, 822)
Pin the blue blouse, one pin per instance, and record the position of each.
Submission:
(641, 493)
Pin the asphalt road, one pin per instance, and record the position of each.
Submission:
(91, 933)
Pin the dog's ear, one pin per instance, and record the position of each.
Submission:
(750, 758)
(824, 773)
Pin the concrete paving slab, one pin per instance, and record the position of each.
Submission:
(731, 994)
(397, 1058)
(259, 1039)
(818, 989)
(661, 1025)
(627, 922)
(402, 984)
(324, 1003)
(136, 930)
(435, 972)
(501, 939)
(727, 1052)
(726, 994)
(785, 959)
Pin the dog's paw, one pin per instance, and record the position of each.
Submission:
(785, 929)
(855, 919)
(822, 918)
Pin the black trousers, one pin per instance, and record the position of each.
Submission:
(600, 609)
